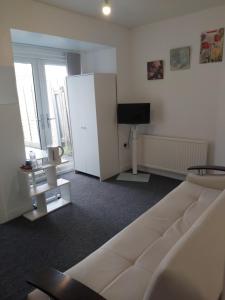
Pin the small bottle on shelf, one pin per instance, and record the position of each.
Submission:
(33, 159)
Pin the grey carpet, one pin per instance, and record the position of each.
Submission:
(63, 238)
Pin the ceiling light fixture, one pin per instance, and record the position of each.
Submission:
(106, 8)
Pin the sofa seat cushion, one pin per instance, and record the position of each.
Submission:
(123, 267)
(194, 267)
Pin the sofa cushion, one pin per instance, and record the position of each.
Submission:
(194, 267)
(100, 261)
(123, 267)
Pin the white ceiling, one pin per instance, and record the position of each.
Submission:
(132, 13)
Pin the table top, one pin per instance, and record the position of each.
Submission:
(61, 286)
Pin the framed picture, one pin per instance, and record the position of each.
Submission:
(180, 58)
(212, 46)
(155, 70)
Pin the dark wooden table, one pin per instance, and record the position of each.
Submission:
(61, 287)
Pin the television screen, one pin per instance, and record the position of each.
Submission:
(133, 113)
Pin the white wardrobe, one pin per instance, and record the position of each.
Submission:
(92, 103)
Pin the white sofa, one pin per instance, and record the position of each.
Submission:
(174, 251)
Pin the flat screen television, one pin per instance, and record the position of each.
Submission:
(133, 113)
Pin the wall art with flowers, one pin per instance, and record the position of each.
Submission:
(155, 70)
(212, 46)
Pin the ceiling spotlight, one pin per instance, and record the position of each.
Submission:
(106, 8)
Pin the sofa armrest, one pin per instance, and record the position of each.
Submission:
(61, 287)
(202, 169)
(208, 181)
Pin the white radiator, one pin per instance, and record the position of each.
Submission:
(171, 154)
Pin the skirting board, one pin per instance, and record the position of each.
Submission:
(162, 173)
(140, 177)
(157, 172)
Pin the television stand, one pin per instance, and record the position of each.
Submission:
(134, 175)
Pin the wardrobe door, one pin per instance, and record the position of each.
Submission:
(77, 115)
(105, 91)
(90, 121)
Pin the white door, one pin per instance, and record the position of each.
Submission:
(30, 105)
(84, 125)
(75, 94)
(41, 85)
(91, 134)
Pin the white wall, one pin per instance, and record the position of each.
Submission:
(220, 122)
(185, 103)
(105, 61)
(34, 16)
(99, 61)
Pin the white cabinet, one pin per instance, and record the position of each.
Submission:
(92, 102)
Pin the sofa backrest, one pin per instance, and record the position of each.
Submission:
(194, 267)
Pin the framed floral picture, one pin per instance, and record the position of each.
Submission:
(212, 46)
(155, 70)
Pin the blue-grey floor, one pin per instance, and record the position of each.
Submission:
(63, 238)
